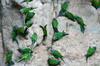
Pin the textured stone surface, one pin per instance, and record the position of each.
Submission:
(72, 47)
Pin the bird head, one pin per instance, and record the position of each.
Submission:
(51, 49)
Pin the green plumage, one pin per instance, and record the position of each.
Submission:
(57, 54)
(9, 58)
(59, 35)
(34, 38)
(90, 52)
(96, 3)
(29, 15)
(80, 21)
(24, 50)
(44, 29)
(53, 62)
(14, 34)
(69, 15)
(28, 24)
(25, 56)
(55, 25)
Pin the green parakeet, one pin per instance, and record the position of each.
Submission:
(80, 21)
(56, 54)
(34, 38)
(25, 56)
(9, 58)
(44, 29)
(55, 25)
(26, 1)
(24, 50)
(90, 52)
(96, 3)
(69, 15)
(14, 34)
(29, 15)
(64, 7)
(58, 35)
(28, 24)
(26, 10)
(53, 62)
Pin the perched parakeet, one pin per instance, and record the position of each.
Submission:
(26, 10)
(64, 7)
(28, 24)
(69, 15)
(44, 29)
(9, 58)
(56, 54)
(14, 34)
(53, 62)
(58, 35)
(96, 3)
(26, 1)
(29, 15)
(34, 38)
(25, 56)
(80, 21)
(90, 52)
(24, 50)
(55, 25)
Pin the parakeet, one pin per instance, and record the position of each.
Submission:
(25, 56)
(29, 15)
(56, 54)
(53, 62)
(90, 52)
(9, 58)
(14, 34)
(34, 38)
(80, 21)
(44, 29)
(69, 15)
(28, 24)
(24, 50)
(26, 10)
(55, 25)
(64, 7)
(58, 35)
(26, 1)
(96, 3)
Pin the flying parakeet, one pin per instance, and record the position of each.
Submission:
(34, 38)
(55, 25)
(64, 7)
(96, 3)
(24, 50)
(28, 24)
(80, 21)
(69, 15)
(58, 35)
(56, 54)
(53, 62)
(9, 58)
(26, 1)
(14, 34)
(90, 52)
(29, 15)
(26, 10)
(25, 56)
(44, 29)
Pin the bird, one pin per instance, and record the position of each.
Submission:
(96, 3)
(44, 29)
(57, 54)
(26, 1)
(34, 38)
(24, 50)
(53, 61)
(14, 34)
(9, 58)
(90, 52)
(55, 25)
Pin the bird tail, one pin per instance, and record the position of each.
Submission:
(86, 57)
(62, 59)
(19, 60)
(11, 63)
(82, 28)
(56, 30)
(19, 50)
(22, 2)
(17, 41)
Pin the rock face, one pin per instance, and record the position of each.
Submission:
(72, 47)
